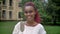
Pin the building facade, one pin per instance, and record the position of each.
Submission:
(10, 10)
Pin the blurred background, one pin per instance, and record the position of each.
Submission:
(11, 12)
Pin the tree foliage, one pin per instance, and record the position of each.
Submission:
(53, 9)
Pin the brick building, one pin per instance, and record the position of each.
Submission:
(10, 10)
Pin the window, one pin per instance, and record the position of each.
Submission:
(3, 14)
(0, 14)
(0, 2)
(10, 2)
(19, 15)
(0, 7)
(0, 11)
(10, 14)
(19, 5)
(4, 2)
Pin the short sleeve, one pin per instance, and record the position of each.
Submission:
(16, 28)
(42, 30)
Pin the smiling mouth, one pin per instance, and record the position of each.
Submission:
(28, 17)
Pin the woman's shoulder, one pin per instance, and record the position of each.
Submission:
(18, 24)
(40, 26)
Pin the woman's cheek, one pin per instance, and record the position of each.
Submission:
(33, 15)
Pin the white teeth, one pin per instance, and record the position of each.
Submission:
(29, 17)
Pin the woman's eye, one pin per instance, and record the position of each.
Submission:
(26, 12)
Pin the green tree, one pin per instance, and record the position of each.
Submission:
(53, 9)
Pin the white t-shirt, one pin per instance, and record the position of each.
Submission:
(38, 29)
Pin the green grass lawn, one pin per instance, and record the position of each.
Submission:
(7, 28)
(52, 29)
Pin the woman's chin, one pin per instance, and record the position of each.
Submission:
(29, 19)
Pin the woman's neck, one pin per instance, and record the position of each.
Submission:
(31, 23)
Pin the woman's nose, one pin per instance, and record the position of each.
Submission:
(28, 14)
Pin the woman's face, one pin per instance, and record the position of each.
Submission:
(29, 13)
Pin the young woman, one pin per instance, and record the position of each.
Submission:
(32, 24)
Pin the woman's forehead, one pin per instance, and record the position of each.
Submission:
(29, 8)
